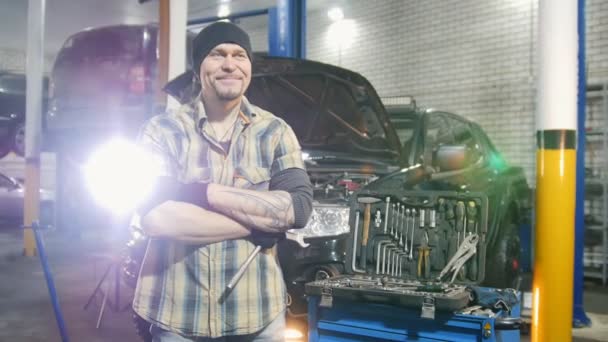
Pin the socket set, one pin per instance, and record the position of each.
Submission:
(412, 248)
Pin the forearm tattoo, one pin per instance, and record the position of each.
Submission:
(270, 211)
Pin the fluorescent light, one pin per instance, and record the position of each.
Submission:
(224, 11)
(335, 14)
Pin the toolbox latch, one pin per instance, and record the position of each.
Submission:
(327, 298)
(428, 307)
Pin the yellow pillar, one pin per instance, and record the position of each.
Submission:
(32, 207)
(556, 168)
(554, 250)
(33, 119)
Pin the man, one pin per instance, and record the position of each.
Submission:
(231, 171)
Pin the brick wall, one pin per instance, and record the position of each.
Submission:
(474, 58)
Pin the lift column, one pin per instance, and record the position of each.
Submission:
(556, 169)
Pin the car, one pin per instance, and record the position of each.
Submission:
(348, 140)
(12, 192)
(12, 112)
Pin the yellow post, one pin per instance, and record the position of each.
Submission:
(556, 168)
(32, 207)
(33, 119)
(554, 252)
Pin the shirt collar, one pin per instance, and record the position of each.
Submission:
(248, 113)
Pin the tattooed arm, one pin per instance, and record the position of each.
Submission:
(189, 223)
(270, 211)
(287, 205)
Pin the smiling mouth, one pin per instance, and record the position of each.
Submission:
(228, 78)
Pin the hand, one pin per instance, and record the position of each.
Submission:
(266, 240)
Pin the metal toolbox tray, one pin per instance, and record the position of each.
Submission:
(412, 248)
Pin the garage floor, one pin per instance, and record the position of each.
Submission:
(26, 314)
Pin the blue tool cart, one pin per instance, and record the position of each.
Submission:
(413, 272)
(349, 321)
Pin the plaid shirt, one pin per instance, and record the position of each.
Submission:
(179, 283)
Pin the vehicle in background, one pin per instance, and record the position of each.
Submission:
(102, 84)
(12, 199)
(12, 112)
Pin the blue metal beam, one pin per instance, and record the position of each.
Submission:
(287, 29)
(579, 317)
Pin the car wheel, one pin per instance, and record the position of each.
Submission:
(19, 139)
(502, 270)
(325, 271)
(142, 327)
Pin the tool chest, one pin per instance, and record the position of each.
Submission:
(413, 259)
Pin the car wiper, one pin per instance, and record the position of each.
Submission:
(340, 158)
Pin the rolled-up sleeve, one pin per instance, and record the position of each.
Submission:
(288, 153)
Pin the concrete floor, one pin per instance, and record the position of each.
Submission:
(26, 314)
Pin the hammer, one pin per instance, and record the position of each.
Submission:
(367, 214)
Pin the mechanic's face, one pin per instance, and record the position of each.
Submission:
(225, 72)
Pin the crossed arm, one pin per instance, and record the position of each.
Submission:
(235, 212)
(232, 212)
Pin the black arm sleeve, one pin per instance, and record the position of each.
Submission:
(296, 182)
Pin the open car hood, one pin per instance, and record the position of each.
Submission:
(329, 108)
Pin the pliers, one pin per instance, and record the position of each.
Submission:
(467, 249)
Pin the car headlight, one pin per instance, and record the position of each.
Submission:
(326, 220)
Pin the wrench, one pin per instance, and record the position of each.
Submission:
(413, 225)
(407, 227)
(388, 202)
(401, 226)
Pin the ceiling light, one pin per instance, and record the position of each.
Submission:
(335, 14)
(224, 11)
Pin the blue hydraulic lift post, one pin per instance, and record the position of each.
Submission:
(287, 29)
(579, 317)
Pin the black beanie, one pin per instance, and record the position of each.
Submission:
(215, 34)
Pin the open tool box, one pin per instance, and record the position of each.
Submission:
(411, 260)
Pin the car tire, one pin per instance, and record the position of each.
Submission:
(142, 327)
(325, 271)
(500, 272)
(18, 139)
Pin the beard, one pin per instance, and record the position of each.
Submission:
(227, 93)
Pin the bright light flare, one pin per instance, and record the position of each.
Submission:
(293, 335)
(120, 175)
